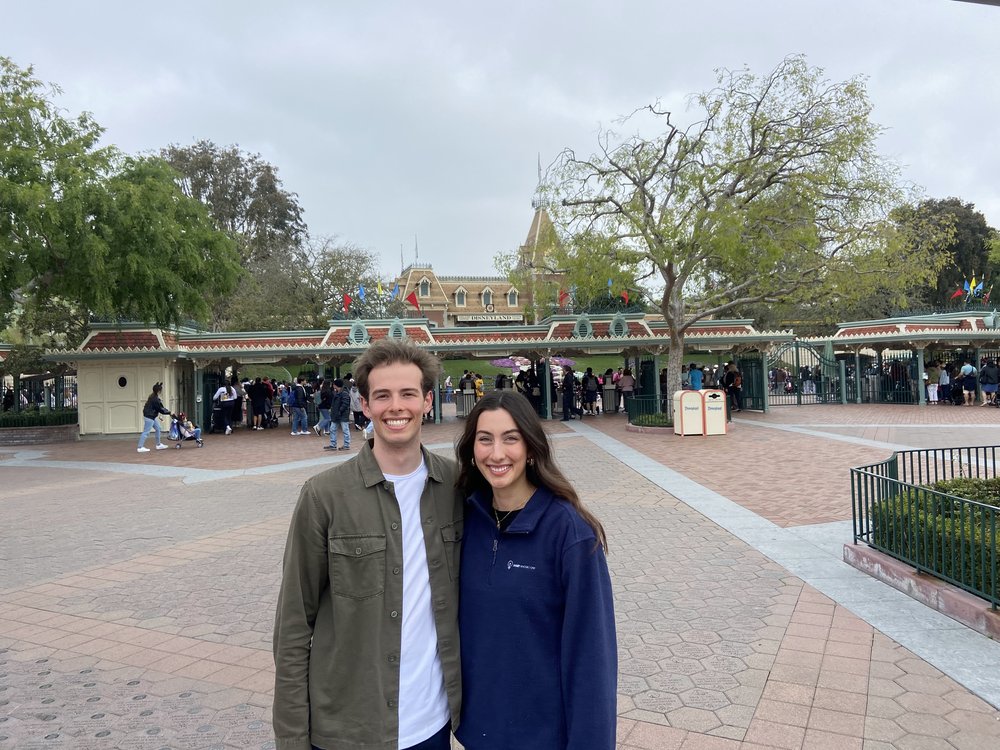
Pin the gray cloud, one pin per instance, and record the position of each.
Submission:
(398, 118)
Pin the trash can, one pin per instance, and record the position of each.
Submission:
(689, 418)
(715, 412)
(609, 397)
(464, 402)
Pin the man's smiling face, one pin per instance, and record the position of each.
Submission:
(396, 404)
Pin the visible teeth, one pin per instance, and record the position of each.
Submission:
(499, 469)
(396, 422)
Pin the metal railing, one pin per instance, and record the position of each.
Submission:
(638, 407)
(952, 538)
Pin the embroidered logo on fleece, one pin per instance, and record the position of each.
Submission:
(512, 564)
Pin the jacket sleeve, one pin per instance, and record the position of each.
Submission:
(304, 578)
(589, 649)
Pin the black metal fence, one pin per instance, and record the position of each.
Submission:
(953, 538)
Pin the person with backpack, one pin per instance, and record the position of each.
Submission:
(225, 400)
(297, 402)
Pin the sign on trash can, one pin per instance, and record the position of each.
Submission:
(715, 412)
(689, 417)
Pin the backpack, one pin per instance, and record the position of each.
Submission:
(592, 384)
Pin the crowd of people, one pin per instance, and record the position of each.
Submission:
(260, 404)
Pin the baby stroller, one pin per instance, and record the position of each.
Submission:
(269, 419)
(180, 432)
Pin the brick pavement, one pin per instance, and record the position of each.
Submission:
(135, 611)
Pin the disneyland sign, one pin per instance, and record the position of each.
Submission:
(490, 318)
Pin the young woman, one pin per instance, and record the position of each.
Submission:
(536, 616)
(151, 412)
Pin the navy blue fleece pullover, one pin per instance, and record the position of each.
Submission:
(539, 654)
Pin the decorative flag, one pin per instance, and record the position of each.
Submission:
(412, 299)
(361, 292)
(563, 297)
(378, 286)
(625, 296)
(978, 289)
(347, 301)
(966, 287)
(958, 293)
(394, 293)
(986, 297)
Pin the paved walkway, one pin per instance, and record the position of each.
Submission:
(137, 591)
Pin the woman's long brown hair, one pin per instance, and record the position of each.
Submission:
(541, 472)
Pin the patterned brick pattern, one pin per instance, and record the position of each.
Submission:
(138, 612)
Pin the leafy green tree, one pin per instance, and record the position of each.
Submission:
(87, 231)
(776, 194)
(244, 196)
(967, 254)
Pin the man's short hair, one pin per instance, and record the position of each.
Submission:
(338, 383)
(389, 352)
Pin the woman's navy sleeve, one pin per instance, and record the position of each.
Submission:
(589, 649)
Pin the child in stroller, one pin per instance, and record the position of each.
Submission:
(182, 428)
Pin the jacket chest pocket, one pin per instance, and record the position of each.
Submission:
(451, 537)
(357, 566)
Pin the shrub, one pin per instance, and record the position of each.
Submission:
(43, 418)
(949, 537)
(652, 420)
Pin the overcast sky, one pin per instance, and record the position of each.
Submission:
(395, 119)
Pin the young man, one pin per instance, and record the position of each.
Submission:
(366, 647)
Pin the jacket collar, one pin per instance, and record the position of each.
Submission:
(529, 516)
(372, 474)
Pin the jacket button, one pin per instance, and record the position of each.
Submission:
(395, 571)
(392, 658)
(391, 703)
(357, 551)
(435, 563)
(394, 613)
(395, 526)
(429, 521)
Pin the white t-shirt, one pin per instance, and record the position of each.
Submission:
(224, 393)
(423, 703)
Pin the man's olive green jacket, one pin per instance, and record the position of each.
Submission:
(339, 617)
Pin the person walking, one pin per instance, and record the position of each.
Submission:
(151, 412)
(366, 648)
(536, 611)
(340, 417)
(324, 406)
(297, 404)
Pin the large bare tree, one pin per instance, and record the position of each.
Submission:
(776, 192)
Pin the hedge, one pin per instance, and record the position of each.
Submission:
(951, 538)
(43, 418)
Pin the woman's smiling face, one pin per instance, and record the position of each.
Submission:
(501, 455)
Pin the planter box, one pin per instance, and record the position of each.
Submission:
(968, 609)
(63, 433)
